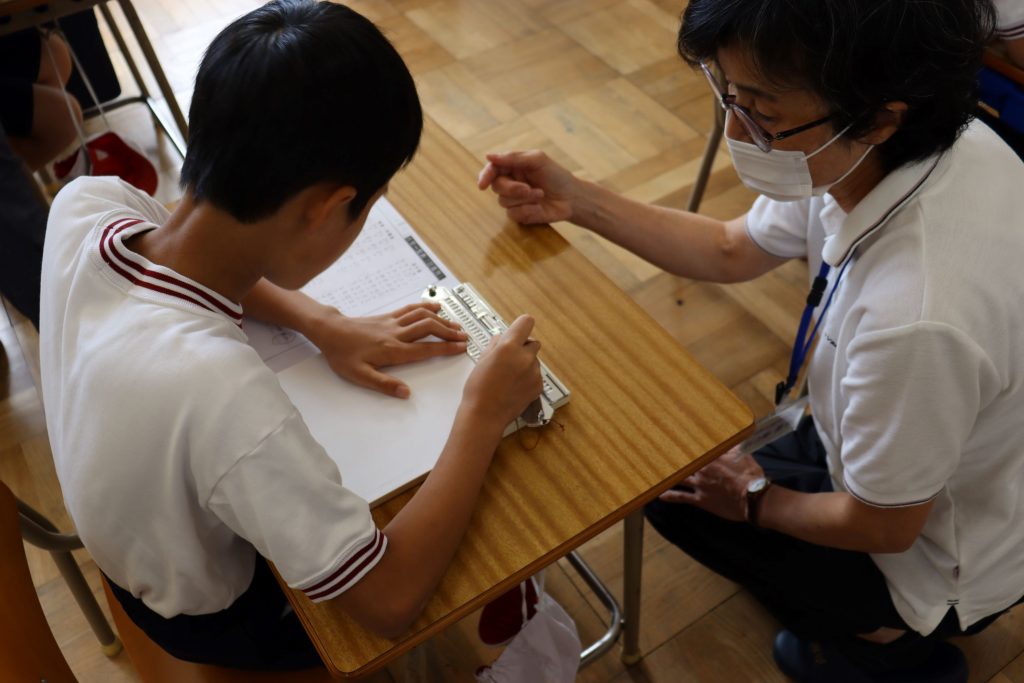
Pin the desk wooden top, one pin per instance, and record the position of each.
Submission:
(642, 410)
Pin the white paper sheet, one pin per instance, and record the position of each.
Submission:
(381, 444)
(387, 267)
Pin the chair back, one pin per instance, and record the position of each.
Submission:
(28, 650)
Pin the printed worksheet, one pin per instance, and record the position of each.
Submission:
(386, 268)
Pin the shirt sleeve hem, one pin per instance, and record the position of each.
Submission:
(348, 571)
(1011, 32)
(874, 499)
(750, 234)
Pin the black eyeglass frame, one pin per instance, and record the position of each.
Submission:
(762, 138)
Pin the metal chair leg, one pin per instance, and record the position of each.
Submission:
(633, 551)
(710, 150)
(607, 640)
(41, 532)
(109, 643)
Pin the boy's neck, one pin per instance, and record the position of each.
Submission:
(207, 245)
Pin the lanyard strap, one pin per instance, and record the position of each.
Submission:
(803, 342)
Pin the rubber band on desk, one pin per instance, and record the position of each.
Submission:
(536, 442)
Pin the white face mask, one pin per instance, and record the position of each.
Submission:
(782, 175)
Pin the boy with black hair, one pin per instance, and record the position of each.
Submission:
(181, 459)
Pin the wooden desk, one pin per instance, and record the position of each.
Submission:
(642, 414)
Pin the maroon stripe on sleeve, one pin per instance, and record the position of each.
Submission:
(136, 281)
(117, 264)
(346, 582)
(120, 225)
(133, 221)
(145, 272)
(350, 568)
(1013, 31)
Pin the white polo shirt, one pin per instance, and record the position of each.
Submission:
(179, 455)
(917, 380)
(1010, 24)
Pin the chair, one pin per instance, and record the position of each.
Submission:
(40, 532)
(710, 150)
(28, 651)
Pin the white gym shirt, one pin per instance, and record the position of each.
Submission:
(179, 455)
(1010, 22)
(917, 380)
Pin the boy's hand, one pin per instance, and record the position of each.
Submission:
(507, 378)
(531, 187)
(356, 348)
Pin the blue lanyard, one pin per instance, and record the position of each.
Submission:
(802, 344)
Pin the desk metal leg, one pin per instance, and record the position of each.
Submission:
(633, 551)
(159, 118)
(154, 66)
(115, 31)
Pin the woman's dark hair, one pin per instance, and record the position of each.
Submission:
(856, 55)
(292, 94)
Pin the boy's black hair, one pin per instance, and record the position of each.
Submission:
(856, 55)
(292, 94)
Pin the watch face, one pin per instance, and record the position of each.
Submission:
(757, 485)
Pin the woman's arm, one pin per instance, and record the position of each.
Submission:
(683, 243)
(535, 189)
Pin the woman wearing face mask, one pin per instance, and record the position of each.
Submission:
(892, 518)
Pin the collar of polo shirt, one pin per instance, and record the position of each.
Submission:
(875, 210)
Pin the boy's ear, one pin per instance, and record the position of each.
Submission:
(326, 202)
(888, 120)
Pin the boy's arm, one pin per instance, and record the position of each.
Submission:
(356, 348)
(423, 537)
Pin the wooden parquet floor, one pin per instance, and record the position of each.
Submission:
(597, 84)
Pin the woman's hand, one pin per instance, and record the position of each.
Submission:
(720, 487)
(531, 187)
(357, 348)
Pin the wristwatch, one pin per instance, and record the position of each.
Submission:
(755, 491)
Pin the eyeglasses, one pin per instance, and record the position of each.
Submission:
(762, 138)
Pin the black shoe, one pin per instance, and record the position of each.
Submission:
(806, 661)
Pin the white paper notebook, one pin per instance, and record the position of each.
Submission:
(382, 445)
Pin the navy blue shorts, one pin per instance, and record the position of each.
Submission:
(259, 631)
